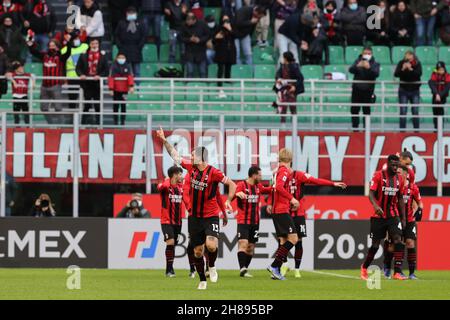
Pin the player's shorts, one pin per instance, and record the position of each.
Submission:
(248, 232)
(379, 227)
(200, 228)
(284, 224)
(410, 231)
(171, 231)
(300, 225)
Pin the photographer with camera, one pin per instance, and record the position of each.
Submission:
(134, 208)
(43, 207)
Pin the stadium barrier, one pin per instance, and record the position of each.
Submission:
(138, 244)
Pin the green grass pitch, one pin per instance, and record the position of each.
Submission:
(152, 284)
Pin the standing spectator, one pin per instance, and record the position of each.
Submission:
(262, 28)
(11, 39)
(53, 66)
(152, 14)
(365, 68)
(130, 39)
(194, 35)
(40, 17)
(134, 208)
(213, 28)
(196, 7)
(20, 81)
(118, 9)
(331, 24)
(175, 12)
(283, 9)
(311, 8)
(244, 26)
(120, 82)
(92, 64)
(10, 194)
(43, 207)
(353, 18)
(225, 52)
(444, 22)
(63, 36)
(287, 91)
(409, 70)
(91, 20)
(316, 48)
(380, 36)
(440, 86)
(12, 10)
(402, 25)
(425, 14)
(3, 70)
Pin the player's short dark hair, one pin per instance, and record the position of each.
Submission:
(393, 157)
(173, 171)
(253, 170)
(202, 153)
(406, 154)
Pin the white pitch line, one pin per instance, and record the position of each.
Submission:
(333, 274)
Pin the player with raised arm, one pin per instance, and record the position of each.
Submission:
(248, 194)
(203, 222)
(386, 196)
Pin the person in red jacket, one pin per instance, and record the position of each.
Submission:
(20, 84)
(121, 82)
(440, 86)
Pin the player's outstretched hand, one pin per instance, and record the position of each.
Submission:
(241, 195)
(160, 134)
(341, 185)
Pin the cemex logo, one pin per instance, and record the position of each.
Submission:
(139, 237)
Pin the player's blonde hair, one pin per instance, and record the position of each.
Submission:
(285, 155)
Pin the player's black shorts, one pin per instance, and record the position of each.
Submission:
(284, 224)
(200, 228)
(300, 225)
(379, 227)
(248, 232)
(171, 231)
(410, 231)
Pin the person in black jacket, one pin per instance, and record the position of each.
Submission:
(380, 36)
(316, 48)
(11, 39)
(3, 70)
(402, 25)
(287, 91)
(93, 64)
(43, 207)
(365, 68)
(440, 86)
(175, 12)
(409, 70)
(41, 18)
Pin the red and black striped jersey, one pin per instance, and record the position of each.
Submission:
(21, 84)
(171, 202)
(203, 190)
(249, 209)
(387, 190)
(412, 193)
(281, 197)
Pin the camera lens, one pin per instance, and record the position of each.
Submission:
(134, 204)
(45, 203)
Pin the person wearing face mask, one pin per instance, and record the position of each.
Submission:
(130, 36)
(14, 10)
(353, 18)
(120, 82)
(331, 23)
(440, 86)
(11, 38)
(134, 208)
(213, 29)
(365, 68)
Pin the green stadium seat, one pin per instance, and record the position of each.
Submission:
(312, 71)
(212, 71)
(115, 51)
(150, 53)
(264, 92)
(352, 53)
(426, 54)
(214, 11)
(265, 72)
(164, 53)
(427, 70)
(148, 70)
(34, 68)
(336, 55)
(444, 53)
(196, 91)
(164, 31)
(382, 54)
(398, 53)
(241, 71)
(264, 55)
(386, 73)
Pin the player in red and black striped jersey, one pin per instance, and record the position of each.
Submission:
(248, 194)
(386, 195)
(171, 192)
(203, 224)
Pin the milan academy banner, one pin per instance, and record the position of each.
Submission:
(119, 156)
(317, 207)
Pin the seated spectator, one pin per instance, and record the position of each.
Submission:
(120, 82)
(365, 68)
(40, 17)
(225, 52)
(409, 70)
(425, 14)
(331, 24)
(440, 87)
(20, 84)
(3, 70)
(92, 64)
(444, 22)
(315, 48)
(288, 91)
(151, 11)
(353, 18)
(194, 35)
(283, 9)
(213, 28)
(175, 12)
(11, 39)
(14, 10)
(134, 208)
(131, 35)
(43, 207)
(262, 28)
(90, 20)
(244, 25)
(380, 36)
(402, 25)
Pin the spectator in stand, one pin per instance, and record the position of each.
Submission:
(175, 12)
(43, 207)
(229, 8)
(130, 38)
(11, 39)
(331, 24)
(365, 68)
(213, 28)
(13, 10)
(196, 7)
(118, 9)
(409, 70)
(3, 70)
(353, 18)
(262, 28)
(444, 22)
(288, 91)
(283, 9)
(380, 36)
(194, 35)
(225, 52)
(63, 36)
(92, 64)
(425, 14)
(40, 17)
(152, 15)
(134, 208)
(316, 48)
(120, 82)
(244, 25)
(311, 8)
(90, 20)
(20, 84)
(440, 87)
(53, 66)
(402, 25)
